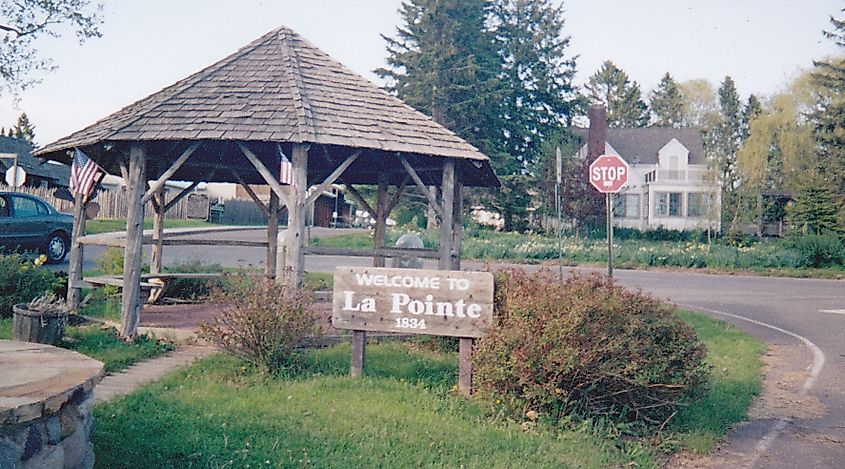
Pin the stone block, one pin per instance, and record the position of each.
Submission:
(34, 442)
(52, 457)
(86, 406)
(53, 404)
(76, 448)
(10, 453)
(69, 419)
(54, 430)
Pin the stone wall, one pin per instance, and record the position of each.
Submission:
(46, 412)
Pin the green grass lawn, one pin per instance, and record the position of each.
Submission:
(107, 225)
(737, 361)
(221, 412)
(102, 344)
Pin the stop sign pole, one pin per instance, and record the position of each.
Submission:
(608, 174)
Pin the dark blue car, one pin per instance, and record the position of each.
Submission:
(30, 223)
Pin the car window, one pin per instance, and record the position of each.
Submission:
(4, 207)
(42, 209)
(25, 207)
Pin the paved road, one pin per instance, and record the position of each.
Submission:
(795, 306)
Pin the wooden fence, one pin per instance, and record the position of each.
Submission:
(113, 203)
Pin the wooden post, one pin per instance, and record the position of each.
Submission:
(272, 237)
(74, 291)
(158, 231)
(295, 235)
(130, 311)
(381, 218)
(359, 342)
(447, 190)
(465, 366)
(457, 221)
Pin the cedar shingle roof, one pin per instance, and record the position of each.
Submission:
(640, 145)
(280, 88)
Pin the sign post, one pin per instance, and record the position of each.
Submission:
(412, 301)
(558, 182)
(608, 174)
(15, 175)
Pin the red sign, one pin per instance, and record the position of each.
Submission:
(609, 173)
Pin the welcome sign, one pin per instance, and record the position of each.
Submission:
(436, 302)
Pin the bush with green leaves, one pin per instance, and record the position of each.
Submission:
(816, 250)
(586, 347)
(260, 323)
(22, 280)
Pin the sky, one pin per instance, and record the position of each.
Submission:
(150, 44)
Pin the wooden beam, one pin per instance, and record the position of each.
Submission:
(381, 218)
(447, 193)
(399, 191)
(295, 234)
(272, 237)
(383, 252)
(74, 291)
(360, 199)
(130, 311)
(159, 183)
(457, 222)
(265, 173)
(422, 187)
(252, 195)
(184, 192)
(158, 231)
(332, 177)
(359, 345)
(465, 366)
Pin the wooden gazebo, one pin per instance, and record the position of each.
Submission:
(232, 121)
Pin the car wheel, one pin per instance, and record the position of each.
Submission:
(56, 248)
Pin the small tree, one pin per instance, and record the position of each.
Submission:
(24, 129)
(815, 209)
(22, 22)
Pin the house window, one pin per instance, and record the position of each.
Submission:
(699, 204)
(667, 204)
(626, 205)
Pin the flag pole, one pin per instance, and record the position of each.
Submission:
(558, 163)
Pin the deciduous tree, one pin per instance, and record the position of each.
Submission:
(22, 22)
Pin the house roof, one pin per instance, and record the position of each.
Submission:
(641, 145)
(59, 174)
(279, 89)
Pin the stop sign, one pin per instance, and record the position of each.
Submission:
(609, 173)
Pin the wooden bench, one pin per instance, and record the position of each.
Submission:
(148, 289)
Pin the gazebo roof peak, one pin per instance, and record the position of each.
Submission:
(279, 88)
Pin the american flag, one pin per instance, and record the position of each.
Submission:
(83, 173)
(285, 169)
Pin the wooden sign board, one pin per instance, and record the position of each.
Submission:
(412, 301)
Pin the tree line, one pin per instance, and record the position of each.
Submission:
(499, 73)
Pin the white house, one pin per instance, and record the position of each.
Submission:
(669, 184)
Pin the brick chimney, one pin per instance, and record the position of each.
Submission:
(598, 132)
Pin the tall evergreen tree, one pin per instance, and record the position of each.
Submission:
(752, 109)
(815, 208)
(611, 87)
(444, 62)
(24, 129)
(667, 103)
(830, 116)
(538, 75)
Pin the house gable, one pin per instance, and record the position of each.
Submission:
(673, 156)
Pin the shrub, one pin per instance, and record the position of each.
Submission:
(21, 281)
(818, 250)
(262, 324)
(586, 347)
(193, 288)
